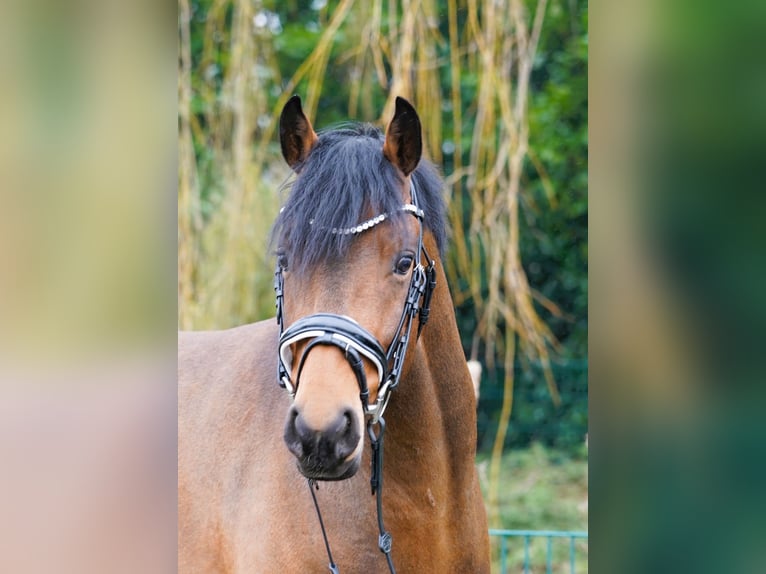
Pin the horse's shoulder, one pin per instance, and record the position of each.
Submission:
(227, 387)
(226, 377)
(227, 365)
(254, 339)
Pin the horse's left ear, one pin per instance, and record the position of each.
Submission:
(296, 135)
(404, 144)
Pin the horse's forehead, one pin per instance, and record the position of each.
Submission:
(362, 253)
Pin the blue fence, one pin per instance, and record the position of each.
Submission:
(509, 537)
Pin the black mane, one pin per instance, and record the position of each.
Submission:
(345, 179)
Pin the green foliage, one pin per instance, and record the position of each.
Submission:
(535, 419)
(554, 230)
(553, 240)
(554, 224)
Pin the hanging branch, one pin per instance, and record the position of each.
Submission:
(506, 315)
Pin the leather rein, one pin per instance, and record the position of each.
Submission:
(357, 343)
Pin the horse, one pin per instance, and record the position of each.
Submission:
(281, 423)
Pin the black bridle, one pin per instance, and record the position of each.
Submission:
(357, 343)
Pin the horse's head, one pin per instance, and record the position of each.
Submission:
(349, 242)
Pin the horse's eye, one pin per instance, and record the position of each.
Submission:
(403, 265)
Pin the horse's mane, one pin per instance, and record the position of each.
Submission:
(344, 181)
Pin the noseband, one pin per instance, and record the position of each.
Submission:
(357, 343)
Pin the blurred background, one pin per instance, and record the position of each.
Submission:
(501, 88)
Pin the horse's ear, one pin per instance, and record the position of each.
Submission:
(296, 135)
(404, 143)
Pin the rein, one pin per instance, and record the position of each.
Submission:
(356, 342)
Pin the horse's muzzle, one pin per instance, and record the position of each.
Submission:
(331, 453)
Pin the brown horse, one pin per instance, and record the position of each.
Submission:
(355, 285)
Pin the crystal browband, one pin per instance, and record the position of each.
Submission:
(364, 226)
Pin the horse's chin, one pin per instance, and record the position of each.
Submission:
(317, 472)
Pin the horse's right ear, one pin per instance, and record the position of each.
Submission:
(296, 135)
(404, 145)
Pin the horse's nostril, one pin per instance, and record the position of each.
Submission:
(347, 436)
(296, 434)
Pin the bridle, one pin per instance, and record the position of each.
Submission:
(353, 339)
(357, 343)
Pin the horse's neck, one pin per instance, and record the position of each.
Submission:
(435, 408)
